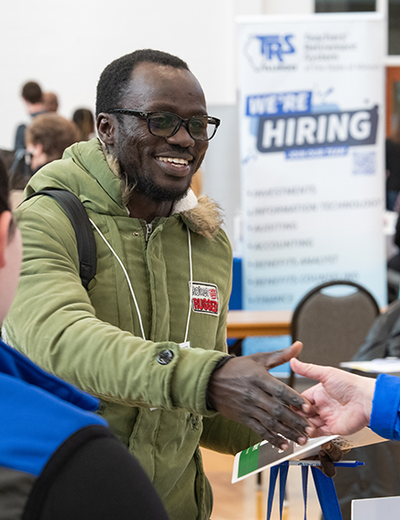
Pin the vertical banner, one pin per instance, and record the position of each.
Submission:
(312, 155)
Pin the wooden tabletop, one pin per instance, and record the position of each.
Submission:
(258, 323)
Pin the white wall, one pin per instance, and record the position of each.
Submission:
(65, 45)
(288, 6)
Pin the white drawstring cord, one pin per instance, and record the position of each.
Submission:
(126, 276)
(191, 285)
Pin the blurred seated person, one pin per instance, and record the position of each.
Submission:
(394, 262)
(84, 120)
(393, 267)
(50, 101)
(58, 459)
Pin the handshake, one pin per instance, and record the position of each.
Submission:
(242, 389)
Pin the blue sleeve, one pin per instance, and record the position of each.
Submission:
(385, 415)
(19, 366)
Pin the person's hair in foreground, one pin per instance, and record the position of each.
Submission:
(53, 132)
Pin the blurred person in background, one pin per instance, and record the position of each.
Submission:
(32, 97)
(84, 120)
(393, 169)
(50, 101)
(47, 138)
(19, 169)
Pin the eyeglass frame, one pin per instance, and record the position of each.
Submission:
(145, 115)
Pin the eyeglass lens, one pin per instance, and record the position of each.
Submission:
(164, 125)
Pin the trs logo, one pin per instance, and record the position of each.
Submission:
(276, 46)
(270, 52)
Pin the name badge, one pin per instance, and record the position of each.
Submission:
(204, 298)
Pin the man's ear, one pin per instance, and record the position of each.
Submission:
(106, 127)
(5, 219)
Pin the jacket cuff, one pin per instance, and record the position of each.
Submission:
(191, 376)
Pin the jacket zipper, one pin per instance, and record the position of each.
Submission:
(149, 229)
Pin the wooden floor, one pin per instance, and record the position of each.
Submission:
(245, 501)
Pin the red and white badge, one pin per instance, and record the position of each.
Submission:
(204, 298)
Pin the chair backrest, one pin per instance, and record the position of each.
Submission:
(332, 328)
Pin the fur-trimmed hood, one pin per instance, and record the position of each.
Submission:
(204, 214)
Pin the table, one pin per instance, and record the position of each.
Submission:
(242, 324)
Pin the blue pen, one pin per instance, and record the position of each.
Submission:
(348, 464)
(341, 464)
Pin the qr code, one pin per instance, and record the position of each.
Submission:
(364, 163)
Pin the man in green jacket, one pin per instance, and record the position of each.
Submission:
(149, 336)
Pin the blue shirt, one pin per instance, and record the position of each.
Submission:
(38, 412)
(385, 415)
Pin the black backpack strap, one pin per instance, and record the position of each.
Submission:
(85, 240)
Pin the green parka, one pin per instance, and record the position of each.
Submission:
(152, 391)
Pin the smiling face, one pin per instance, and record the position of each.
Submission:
(159, 168)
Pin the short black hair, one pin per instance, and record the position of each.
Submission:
(32, 92)
(116, 76)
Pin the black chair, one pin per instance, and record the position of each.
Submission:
(332, 328)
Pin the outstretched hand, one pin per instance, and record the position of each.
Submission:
(243, 390)
(340, 404)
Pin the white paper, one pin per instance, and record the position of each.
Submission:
(376, 366)
(269, 455)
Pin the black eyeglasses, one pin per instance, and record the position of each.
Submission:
(166, 124)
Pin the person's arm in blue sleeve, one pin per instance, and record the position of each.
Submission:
(385, 415)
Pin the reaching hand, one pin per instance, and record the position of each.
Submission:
(244, 391)
(340, 404)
